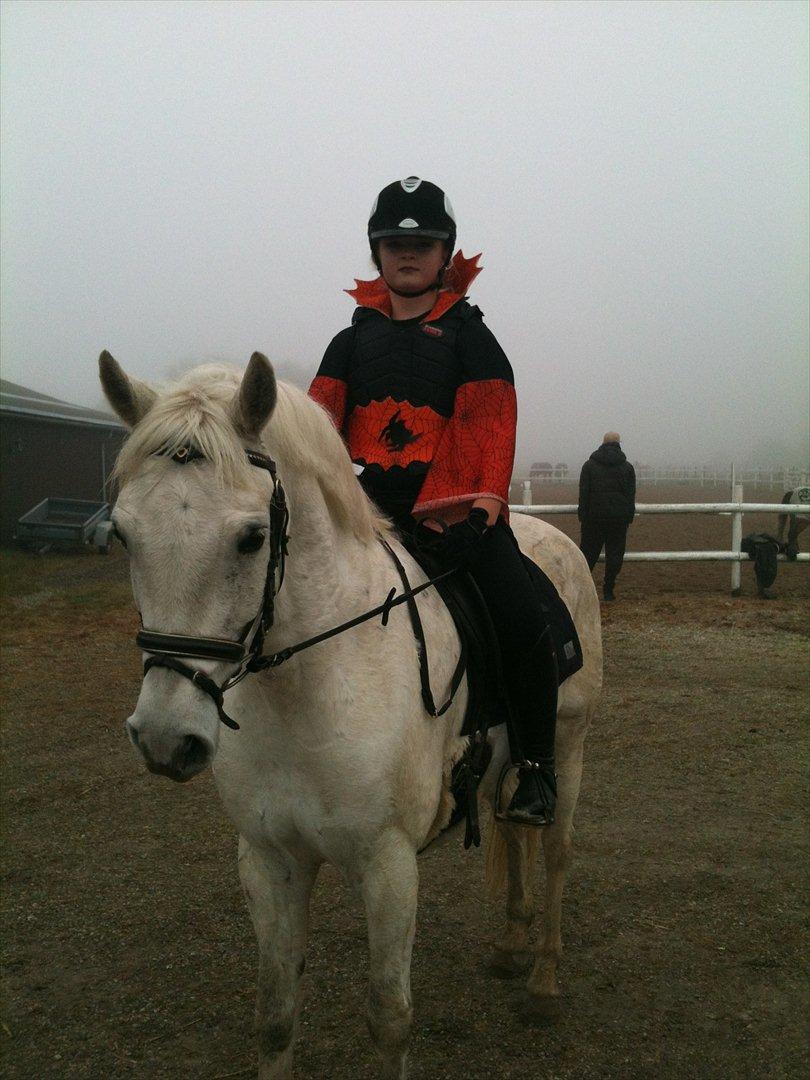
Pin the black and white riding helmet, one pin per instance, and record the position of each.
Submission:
(412, 207)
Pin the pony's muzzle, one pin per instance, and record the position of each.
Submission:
(178, 757)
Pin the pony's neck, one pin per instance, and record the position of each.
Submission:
(327, 566)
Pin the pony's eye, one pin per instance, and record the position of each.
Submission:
(250, 543)
(118, 536)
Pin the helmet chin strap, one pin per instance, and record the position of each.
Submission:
(411, 295)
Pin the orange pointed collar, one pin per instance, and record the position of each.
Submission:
(459, 276)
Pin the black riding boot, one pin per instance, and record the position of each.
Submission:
(533, 695)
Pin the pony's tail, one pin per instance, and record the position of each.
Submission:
(496, 867)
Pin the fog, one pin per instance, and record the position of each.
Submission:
(188, 182)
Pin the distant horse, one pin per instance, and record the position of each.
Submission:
(797, 497)
(336, 759)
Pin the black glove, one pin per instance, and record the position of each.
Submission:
(457, 545)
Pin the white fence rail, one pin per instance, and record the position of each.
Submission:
(734, 509)
(674, 508)
(785, 478)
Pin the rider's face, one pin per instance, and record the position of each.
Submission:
(411, 263)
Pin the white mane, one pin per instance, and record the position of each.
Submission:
(300, 434)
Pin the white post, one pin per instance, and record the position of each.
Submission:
(736, 538)
(527, 493)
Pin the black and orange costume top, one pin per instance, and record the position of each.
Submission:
(426, 405)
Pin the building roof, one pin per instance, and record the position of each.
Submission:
(20, 400)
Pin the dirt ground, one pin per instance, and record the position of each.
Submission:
(127, 951)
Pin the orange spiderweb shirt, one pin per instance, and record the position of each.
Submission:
(427, 405)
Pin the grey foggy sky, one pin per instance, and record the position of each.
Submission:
(190, 181)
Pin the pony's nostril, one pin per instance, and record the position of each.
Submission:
(192, 753)
(132, 731)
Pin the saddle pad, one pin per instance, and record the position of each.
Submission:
(563, 631)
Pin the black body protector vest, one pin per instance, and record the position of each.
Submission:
(397, 370)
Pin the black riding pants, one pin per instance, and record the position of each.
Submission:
(499, 570)
(596, 535)
(527, 652)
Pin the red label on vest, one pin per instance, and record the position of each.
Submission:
(434, 331)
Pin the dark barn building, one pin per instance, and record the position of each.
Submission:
(50, 449)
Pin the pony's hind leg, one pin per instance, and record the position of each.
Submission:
(512, 851)
(542, 984)
(277, 891)
(389, 886)
(557, 851)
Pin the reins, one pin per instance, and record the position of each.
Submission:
(391, 601)
(247, 650)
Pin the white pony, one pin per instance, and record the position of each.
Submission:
(336, 759)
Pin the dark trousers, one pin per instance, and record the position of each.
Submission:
(527, 651)
(612, 537)
(502, 576)
(500, 572)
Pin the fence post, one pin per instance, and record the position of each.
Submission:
(736, 538)
(527, 493)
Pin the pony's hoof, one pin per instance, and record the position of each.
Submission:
(510, 965)
(542, 1009)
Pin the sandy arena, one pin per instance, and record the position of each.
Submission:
(128, 952)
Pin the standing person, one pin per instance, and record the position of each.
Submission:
(607, 506)
(424, 397)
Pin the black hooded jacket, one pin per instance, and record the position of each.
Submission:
(607, 487)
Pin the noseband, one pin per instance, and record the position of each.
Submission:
(247, 650)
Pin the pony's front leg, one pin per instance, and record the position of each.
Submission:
(390, 885)
(277, 890)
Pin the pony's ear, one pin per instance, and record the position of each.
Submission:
(255, 399)
(131, 399)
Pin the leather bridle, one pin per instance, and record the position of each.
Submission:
(247, 650)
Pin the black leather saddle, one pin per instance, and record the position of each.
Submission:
(487, 704)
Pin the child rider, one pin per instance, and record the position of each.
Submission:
(424, 397)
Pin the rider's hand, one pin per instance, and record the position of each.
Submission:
(461, 540)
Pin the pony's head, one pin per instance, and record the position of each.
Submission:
(194, 515)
